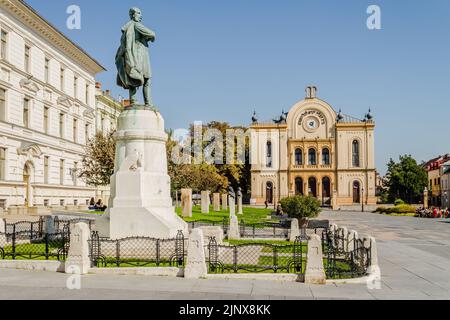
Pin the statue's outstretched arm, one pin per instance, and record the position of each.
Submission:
(146, 32)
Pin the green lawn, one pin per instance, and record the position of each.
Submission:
(33, 251)
(250, 216)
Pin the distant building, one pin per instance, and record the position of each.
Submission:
(314, 150)
(47, 111)
(445, 184)
(433, 168)
(107, 112)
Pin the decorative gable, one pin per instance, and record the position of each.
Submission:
(29, 85)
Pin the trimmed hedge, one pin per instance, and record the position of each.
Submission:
(400, 209)
(300, 207)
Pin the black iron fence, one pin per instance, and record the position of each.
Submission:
(257, 257)
(137, 251)
(265, 230)
(29, 240)
(345, 258)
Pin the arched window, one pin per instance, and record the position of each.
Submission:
(298, 186)
(326, 157)
(312, 187)
(312, 156)
(269, 154)
(298, 157)
(355, 153)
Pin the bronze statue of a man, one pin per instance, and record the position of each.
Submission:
(132, 58)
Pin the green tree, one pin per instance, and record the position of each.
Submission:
(406, 180)
(98, 160)
(300, 207)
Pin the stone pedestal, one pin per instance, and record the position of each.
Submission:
(240, 208)
(233, 231)
(78, 261)
(186, 202)
(196, 260)
(216, 202)
(205, 202)
(224, 202)
(140, 202)
(232, 206)
(315, 273)
(295, 230)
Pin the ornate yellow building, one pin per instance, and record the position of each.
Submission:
(312, 150)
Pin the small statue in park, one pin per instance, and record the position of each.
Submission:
(231, 192)
(133, 60)
(239, 193)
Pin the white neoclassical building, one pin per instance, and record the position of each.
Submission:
(47, 111)
(313, 150)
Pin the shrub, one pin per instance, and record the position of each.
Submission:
(399, 202)
(300, 207)
(402, 209)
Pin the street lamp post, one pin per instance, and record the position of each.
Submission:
(362, 198)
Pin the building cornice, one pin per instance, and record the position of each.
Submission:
(29, 17)
(359, 125)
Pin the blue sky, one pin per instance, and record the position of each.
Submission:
(219, 60)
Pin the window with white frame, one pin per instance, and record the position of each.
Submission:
(2, 164)
(2, 104)
(3, 45)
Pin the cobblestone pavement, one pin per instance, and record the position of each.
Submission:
(414, 258)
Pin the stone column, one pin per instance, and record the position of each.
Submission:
(352, 236)
(216, 202)
(240, 208)
(315, 273)
(224, 202)
(295, 230)
(196, 261)
(232, 206)
(205, 201)
(233, 231)
(186, 202)
(78, 261)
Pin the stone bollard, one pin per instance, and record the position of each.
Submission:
(216, 202)
(205, 202)
(295, 230)
(315, 273)
(78, 261)
(186, 202)
(233, 231)
(374, 279)
(196, 261)
(351, 238)
(2, 233)
(344, 232)
(224, 202)
(372, 243)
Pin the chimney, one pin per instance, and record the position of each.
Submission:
(98, 85)
(126, 103)
(107, 92)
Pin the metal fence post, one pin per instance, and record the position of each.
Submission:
(46, 246)
(13, 249)
(118, 253)
(158, 257)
